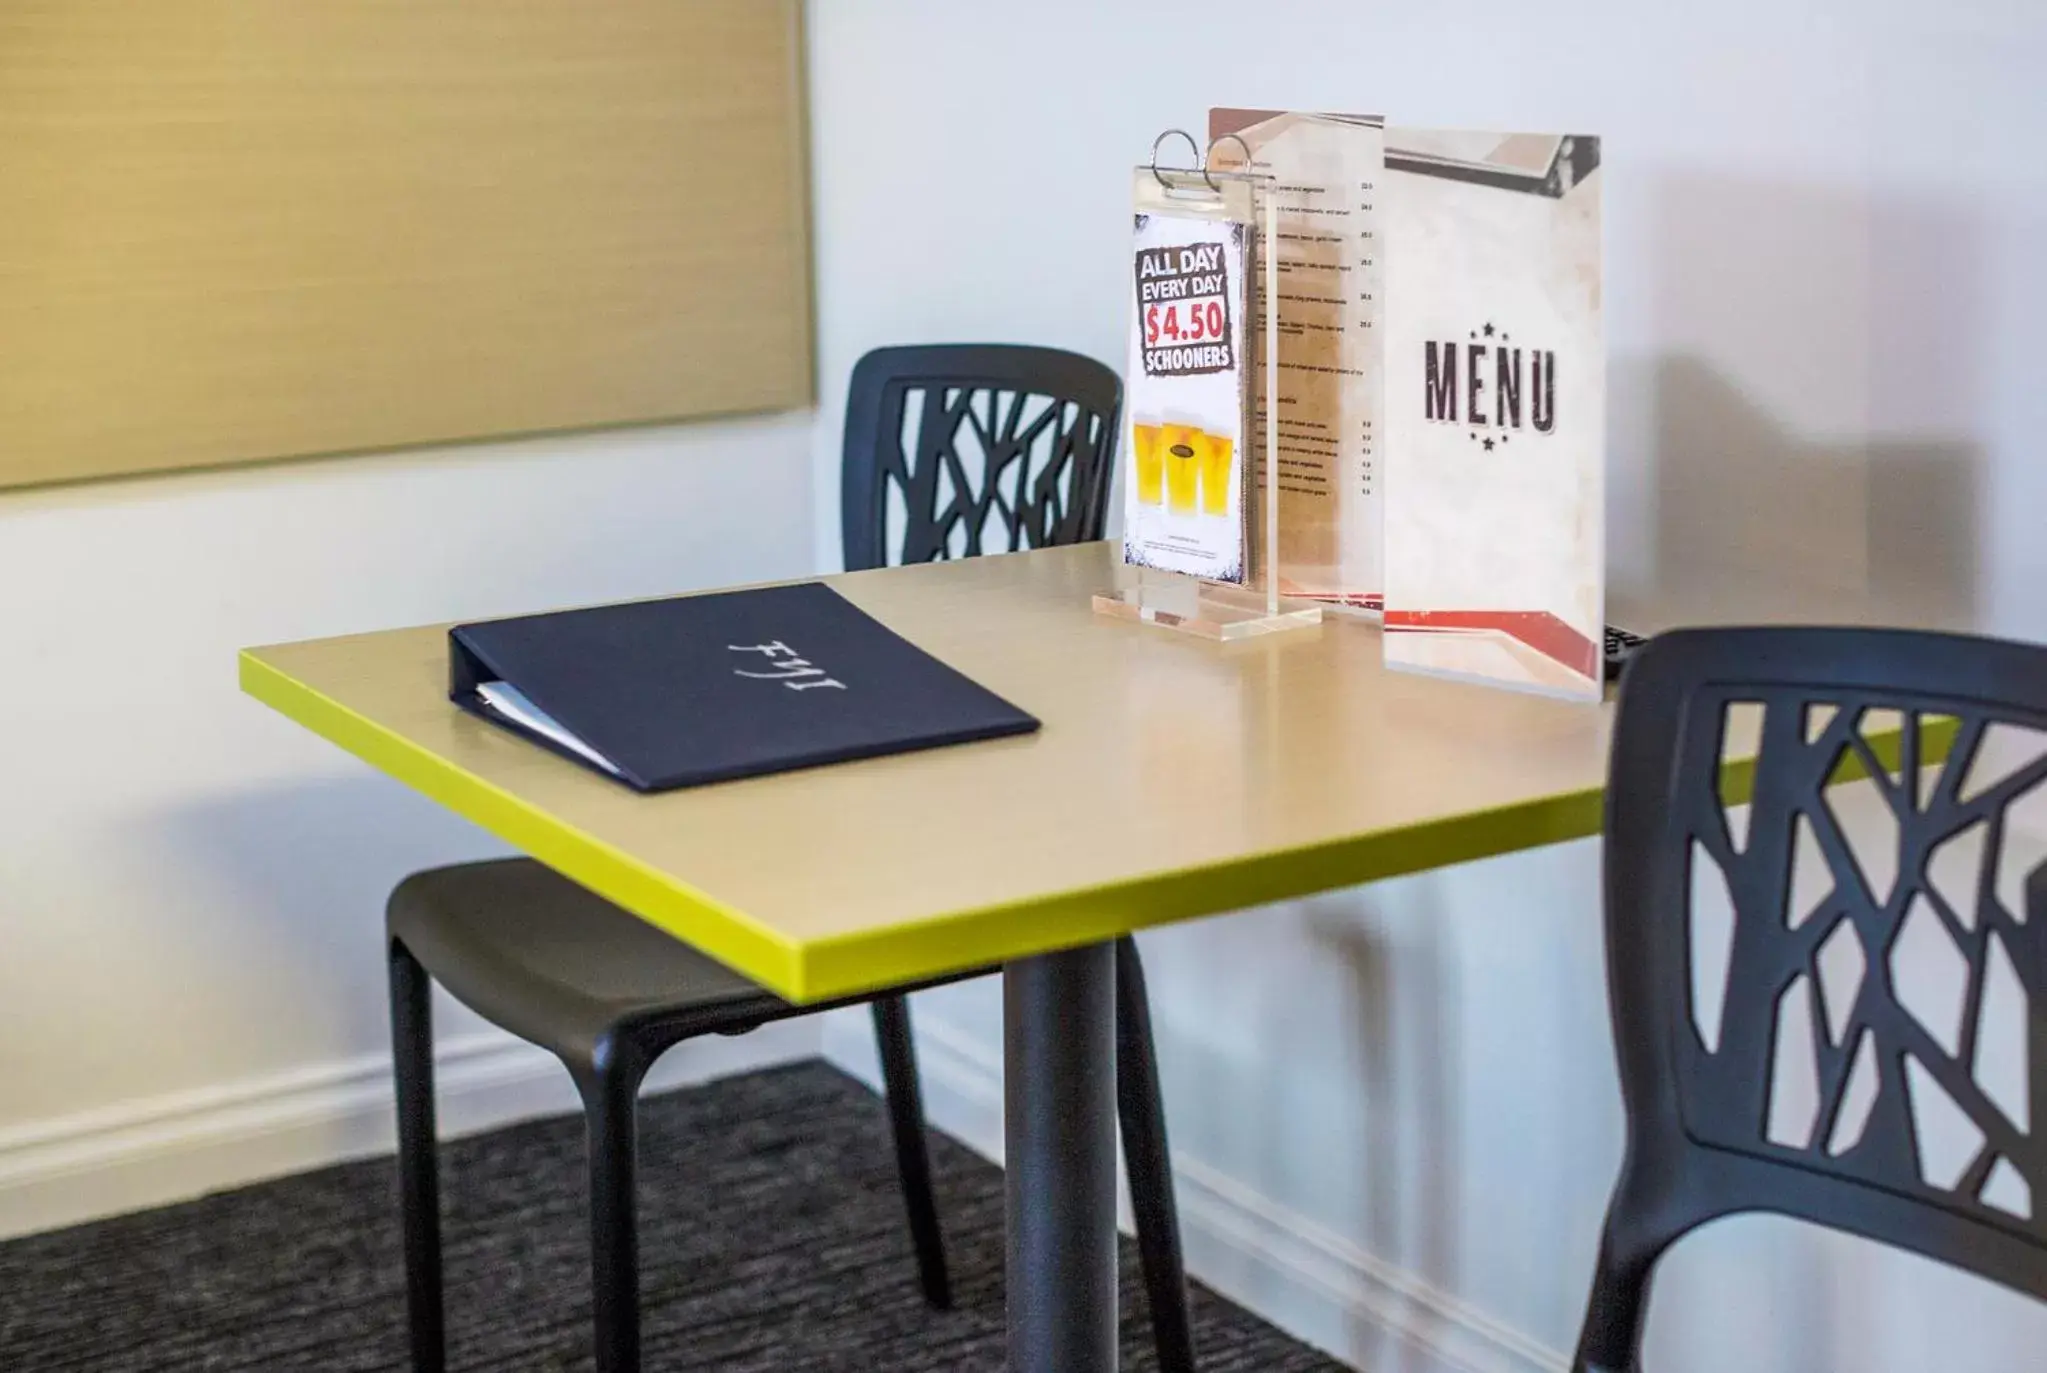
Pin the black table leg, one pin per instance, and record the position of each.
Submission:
(1059, 1075)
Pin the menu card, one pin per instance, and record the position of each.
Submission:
(1495, 419)
(1442, 394)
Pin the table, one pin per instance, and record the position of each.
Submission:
(1173, 778)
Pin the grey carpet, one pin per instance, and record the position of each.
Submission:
(772, 1233)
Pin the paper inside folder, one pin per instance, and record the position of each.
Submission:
(508, 701)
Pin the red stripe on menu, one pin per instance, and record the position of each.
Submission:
(1540, 630)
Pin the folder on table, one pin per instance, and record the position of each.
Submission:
(696, 689)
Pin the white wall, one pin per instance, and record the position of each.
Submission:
(191, 888)
(1396, 1106)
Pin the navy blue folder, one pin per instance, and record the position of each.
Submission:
(697, 689)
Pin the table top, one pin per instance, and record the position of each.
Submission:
(1174, 777)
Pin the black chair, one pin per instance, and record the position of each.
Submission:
(1012, 446)
(952, 448)
(1839, 1023)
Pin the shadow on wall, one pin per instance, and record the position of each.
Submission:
(296, 877)
(1405, 1045)
(1748, 510)
(1811, 419)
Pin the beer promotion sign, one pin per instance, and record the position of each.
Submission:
(1185, 493)
(1183, 297)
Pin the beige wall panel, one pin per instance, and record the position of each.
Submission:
(233, 230)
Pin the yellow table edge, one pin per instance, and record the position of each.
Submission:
(830, 968)
(726, 934)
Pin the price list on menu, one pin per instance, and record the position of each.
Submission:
(1329, 293)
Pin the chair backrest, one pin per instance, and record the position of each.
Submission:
(1835, 1008)
(953, 450)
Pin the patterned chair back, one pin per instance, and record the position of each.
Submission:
(1833, 1005)
(957, 450)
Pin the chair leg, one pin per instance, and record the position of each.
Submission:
(419, 1190)
(1142, 1111)
(1611, 1341)
(610, 1116)
(913, 1161)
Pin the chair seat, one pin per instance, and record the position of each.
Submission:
(557, 964)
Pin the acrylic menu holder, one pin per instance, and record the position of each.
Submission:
(1176, 600)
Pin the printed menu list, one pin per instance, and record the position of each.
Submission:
(1326, 170)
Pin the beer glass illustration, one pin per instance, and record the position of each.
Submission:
(1181, 441)
(1151, 459)
(1216, 451)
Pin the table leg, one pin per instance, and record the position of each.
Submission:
(1059, 1076)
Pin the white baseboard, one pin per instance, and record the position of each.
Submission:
(177, 1146)
(1313, 1284)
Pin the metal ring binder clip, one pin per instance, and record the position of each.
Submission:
(1192, 147)
(1209, 156)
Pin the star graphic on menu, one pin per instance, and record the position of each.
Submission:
(1488, 445)
(1489, 330)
